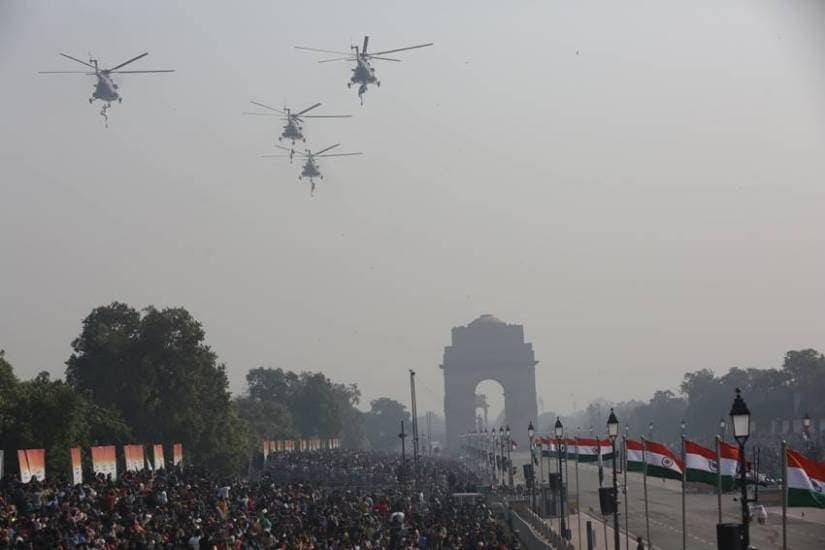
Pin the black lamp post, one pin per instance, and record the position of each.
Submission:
(722, 426)
(806, 426)
(509, 461)
(559, 432)
(650, 430)
(501, 451)
(613, 433)
(531, 431)
(740, 417)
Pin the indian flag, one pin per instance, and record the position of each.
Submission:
(588, 450)
(635, 456)
(661, 461)
(700, 464)
(805, 479)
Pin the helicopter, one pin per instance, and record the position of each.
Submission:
(105, 89)
(363, 74)
(293, 130)
(311, 170)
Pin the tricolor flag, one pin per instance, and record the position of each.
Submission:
(32, 464)
(661, 461)
(701, 464)
(134, 457)
(177, 454)
(805, 479)
(588, 449)
(77, 466)
(157, 452)
(104, 461)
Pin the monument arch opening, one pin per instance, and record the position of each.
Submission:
(489, 349)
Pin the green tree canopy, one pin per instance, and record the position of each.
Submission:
(157, 372)
(382, 423)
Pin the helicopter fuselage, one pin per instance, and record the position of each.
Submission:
(310, 170)
(105, 89)
(292, 131)
(363, 73)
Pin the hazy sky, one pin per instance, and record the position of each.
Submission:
(638, 183)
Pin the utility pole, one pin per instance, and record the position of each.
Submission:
(414, 425)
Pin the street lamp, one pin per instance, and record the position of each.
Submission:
(531, 431)
(806, 425)
(509, 460)
(501, 450)
(650, 430)
(612, 434)
(740, 417)
(682, 426)
(722, 426)
(559, 432)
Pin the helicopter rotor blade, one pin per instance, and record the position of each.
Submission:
(268, 107)
(320, 50)
(364, 48)
(259, 114)
(339, 155)
(327, 149)
(299, 113)
(64, 72)
(76, 59)
(384, 58)
(404, 49)
(144, 54)
(147, 71)
(286, 149)
(327, 116)
(350, 58)
(274, 156)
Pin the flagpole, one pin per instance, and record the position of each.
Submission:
(578, 502)
(684, 482)
(784, 496)
(644, 480)
(626, 516)
(719, 476)
(541, 470)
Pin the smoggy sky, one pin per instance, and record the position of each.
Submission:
(638, 183)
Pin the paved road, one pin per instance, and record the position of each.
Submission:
(665, 505)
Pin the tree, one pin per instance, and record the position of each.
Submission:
(156, 370)
(316, 406)
(383, 423)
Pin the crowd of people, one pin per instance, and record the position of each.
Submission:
(188, 508)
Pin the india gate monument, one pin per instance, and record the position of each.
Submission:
(489, 349)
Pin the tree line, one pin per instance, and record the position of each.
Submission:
(781, 394)
(148, 376)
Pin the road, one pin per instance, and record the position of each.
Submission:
(665, 505)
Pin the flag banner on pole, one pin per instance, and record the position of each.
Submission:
(32, 464)
(701, 466)
(588, 449)
(134, 457)
(805, 479)
(661, 461)
(570, 449)
(177, 454)
(104, 461)
(635, 456)
(77, 466)
(157, 455)
(729, 465)
(605, 449)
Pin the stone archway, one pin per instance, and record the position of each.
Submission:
(489, 349)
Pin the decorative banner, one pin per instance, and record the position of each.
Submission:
(661, 461)
(104, 461)
(77, 466)
(177, 454)
(157, 451)
(134, 457)
(32, 464)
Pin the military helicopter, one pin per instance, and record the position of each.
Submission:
(310, 170)
(105, 89)
(293, 129)
(363, 74)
